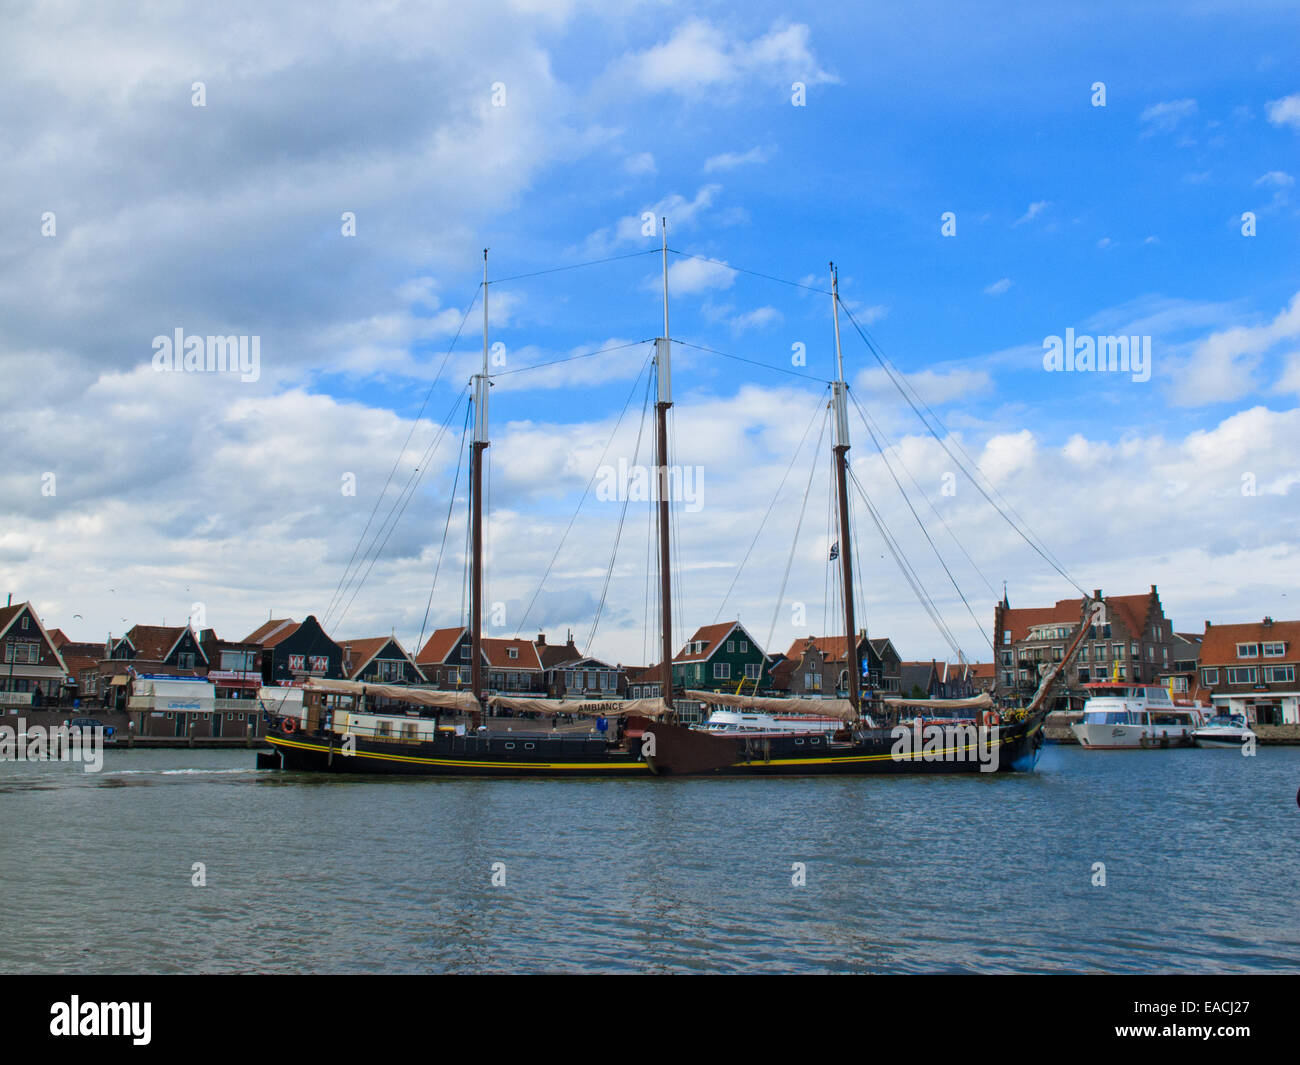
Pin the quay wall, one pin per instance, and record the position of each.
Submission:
(1057, 730)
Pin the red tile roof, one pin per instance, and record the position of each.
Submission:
(1219, 645)
(153, 642)
(439, 645)
(833, 648)
(712, 635)
(272, 632)
(497, 652)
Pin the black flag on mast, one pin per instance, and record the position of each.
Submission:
(835, 551)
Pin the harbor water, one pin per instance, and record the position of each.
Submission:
(194, 861)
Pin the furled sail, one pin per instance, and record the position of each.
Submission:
(975, 702)
(840, 708)
(584, 708)
(443, 700)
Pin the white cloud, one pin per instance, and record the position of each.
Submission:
(641, 163)
(1276, 179)
(700, 55)
(689, 276)
(1035, 209)
(1223, 366)
(731, 160)
(1285, 112)
(755, 319)
(1166, 116)
(999, 287)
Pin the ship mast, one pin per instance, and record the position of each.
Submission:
(663, 367)
(839, 393)
(480, 444)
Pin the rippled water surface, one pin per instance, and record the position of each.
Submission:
(333, 874)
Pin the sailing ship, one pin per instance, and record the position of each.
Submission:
(339, 732)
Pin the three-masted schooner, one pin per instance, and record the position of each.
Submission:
(340, 733)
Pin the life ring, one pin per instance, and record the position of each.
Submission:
(287, 726)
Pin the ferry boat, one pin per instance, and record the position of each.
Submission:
(1121, 716)
(1224, 730)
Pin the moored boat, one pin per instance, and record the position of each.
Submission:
(1226, 730)
(1119, 716)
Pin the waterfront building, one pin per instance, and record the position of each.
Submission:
(510, 666)
(1251, 669)
(644, 682)
(32, 670)
(1134, 643)
(718, 658)
(292, 651)
(380, 660)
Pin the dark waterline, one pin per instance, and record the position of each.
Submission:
(920, 874)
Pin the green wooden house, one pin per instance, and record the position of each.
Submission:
(718, 657)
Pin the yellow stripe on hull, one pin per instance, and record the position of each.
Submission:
(280, 741)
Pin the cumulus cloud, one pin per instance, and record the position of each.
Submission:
(1285, 112)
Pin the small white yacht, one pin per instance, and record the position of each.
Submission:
(747, 723)
(1225, 730)
(1119, 716)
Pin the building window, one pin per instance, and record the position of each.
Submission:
(1279, 674)
(812, 682)
(1274, 650)
(185, 661)
(1209, 677)
(721, 670)
(744, 646)
(464, 652)
(1241, 675)
(731, 647)
(512, 652)
(1247, 650)
(1179, 684)
(1006, 637)
(1084, 676)
(24, 622)
(752, 670)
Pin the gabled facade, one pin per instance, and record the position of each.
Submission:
(920, 680)
(718, 658)
(160, 648)
(1135, 643)
(379, 660)
(818, 666)
(1251, 669)
(645, 682)
(882, 665)
(292, 652)
(509, 666)
(32, 671)
(584, 678)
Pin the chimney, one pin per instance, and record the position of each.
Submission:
(1207, 624)
(1153, 590)
(1268, 622)
(541, 639)
(1096, 594)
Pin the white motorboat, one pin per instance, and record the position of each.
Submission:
(746, 723)
(1120, 716)
(1225, 730)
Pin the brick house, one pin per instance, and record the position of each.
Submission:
(1251, 669)
(1135, 643)
(510, 666)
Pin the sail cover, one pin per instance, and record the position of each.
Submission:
(584, 708)
(463, 701)
(840, 708)
(976, 702)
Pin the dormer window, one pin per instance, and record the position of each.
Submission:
(1247, 650)
(512, 652)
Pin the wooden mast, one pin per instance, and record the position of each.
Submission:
(663, 367)
(839, 398)
(480, 444)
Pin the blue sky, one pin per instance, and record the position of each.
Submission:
(225, 218)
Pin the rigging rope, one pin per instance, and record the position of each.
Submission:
(893, 374)
(338, 592)
(451, 504)
(770, 507)
(585, 491)
(794, 545)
